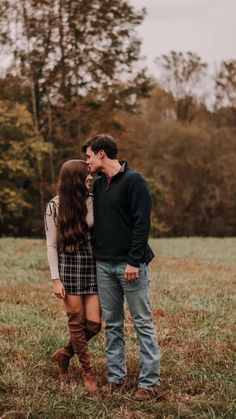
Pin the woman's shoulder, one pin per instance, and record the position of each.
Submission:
(55, 200)
(52, 205)
(51, 212)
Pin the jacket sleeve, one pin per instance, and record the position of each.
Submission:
(51, 237)
(140, 207)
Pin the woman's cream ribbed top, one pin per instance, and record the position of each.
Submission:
(51, 232)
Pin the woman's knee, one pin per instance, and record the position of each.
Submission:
(92, 308)
(74, 304)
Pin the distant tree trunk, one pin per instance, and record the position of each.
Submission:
(34, 104)
(183, 107)
(182, 73)
(51, 153)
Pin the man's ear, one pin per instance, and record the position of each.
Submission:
(101, 154)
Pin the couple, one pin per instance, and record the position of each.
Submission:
(117, 219)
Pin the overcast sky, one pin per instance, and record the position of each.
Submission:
(207, 27)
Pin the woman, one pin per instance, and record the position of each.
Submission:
(68, 224)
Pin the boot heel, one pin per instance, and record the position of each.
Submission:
(90, 383)
(55, 357)
(63, 361)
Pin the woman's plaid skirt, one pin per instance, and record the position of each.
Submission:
(78, 270)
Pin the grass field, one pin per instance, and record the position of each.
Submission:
(193, 300)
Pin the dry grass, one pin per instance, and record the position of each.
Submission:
(192, 293)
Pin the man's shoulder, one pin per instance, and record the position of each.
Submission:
(136, 182)
(133, 175)
(131, 172)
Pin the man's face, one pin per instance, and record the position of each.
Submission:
(94, 160)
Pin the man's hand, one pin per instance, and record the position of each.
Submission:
(131, 273)
(58, 288)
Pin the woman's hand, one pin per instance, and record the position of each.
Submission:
(58, 288)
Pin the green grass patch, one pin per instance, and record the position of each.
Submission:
(193, 301)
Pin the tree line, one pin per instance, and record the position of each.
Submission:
(75, 70)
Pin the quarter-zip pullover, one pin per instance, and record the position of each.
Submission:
(122, 210)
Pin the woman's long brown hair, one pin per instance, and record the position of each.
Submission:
(73, 193)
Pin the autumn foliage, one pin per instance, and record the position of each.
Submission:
(74, 71)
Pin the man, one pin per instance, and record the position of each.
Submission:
(122, 207)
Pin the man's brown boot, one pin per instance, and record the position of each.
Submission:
(144, 394)
(76, 322)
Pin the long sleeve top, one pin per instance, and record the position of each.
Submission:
(51, 232)
(122, 211)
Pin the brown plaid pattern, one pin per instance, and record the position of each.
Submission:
(78, 271)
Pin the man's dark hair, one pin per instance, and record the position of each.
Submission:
(102, 142)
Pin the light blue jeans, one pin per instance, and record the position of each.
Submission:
(112, 289)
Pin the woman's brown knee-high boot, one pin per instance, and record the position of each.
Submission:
(91, 329)
(62, 356)
(76, 322)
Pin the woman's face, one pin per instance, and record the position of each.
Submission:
(88, 181)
